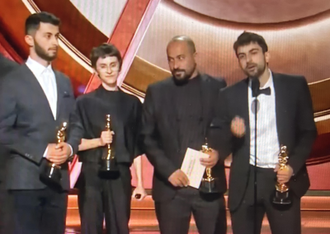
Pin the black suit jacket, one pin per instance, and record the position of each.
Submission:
(160, 135)
(295, 126)
(6, 66)
(27, 126)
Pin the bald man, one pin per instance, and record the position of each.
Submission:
(176, 114)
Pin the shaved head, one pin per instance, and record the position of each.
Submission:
(181, 55)
(186, 39)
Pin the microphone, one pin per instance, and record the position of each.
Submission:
(255, 86)
(255, 93)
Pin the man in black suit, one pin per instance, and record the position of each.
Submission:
(176, 114)
(6, 66)
(285, 117)
(34, 102)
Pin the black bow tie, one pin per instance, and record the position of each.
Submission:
(265, 91)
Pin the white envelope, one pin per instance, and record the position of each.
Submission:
(192, 167)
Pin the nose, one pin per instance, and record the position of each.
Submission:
(249, 58)
(55, 41)
(109, 69)
(175, 64)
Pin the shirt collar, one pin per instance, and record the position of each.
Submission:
(36, 68)
(269, 82)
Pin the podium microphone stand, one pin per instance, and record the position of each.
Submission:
(255, 93)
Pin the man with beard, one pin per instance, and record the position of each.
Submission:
(285, 117)
(34, 102)
(176, 114)
(6, 66)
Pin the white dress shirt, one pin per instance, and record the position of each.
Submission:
(267, 137)
(46, 78)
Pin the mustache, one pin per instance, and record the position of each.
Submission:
(178, 70)
(53, 48)
(251, 65)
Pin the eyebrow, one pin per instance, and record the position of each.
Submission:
(104, 64)
(243, 53)
(49, 33)
(253, 49)
(175, 56)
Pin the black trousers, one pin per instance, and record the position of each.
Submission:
(208, 210)
(39, 211)
(283, 219)
(102, 196)
(6, 217)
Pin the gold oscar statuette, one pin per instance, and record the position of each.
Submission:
(208, 184)
(108, 160)
(282, 190)
(52, 172)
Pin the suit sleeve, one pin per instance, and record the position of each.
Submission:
(306, 129)
(10, 135)
(154, 152)
(138, 145)
(6, 66)
(75, 129)
(219, 134)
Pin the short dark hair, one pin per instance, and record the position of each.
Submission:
(247, 37)
(32, 23)
(105, 50)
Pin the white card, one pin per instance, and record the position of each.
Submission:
(192, 167)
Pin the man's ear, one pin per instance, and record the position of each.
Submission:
(29, 40)
(267, 57)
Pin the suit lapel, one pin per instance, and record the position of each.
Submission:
(280, 106)
(244, 106)
(206, 101)
(171, 102)
(60, 94)
(172, 109)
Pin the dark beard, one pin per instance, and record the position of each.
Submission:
(42, 53)
(259, 72)
(183, 80)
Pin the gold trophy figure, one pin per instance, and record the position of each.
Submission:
(208, 184)
(52, 172)
(108, 161)
(282, 190)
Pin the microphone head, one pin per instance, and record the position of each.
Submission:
(255, 86)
